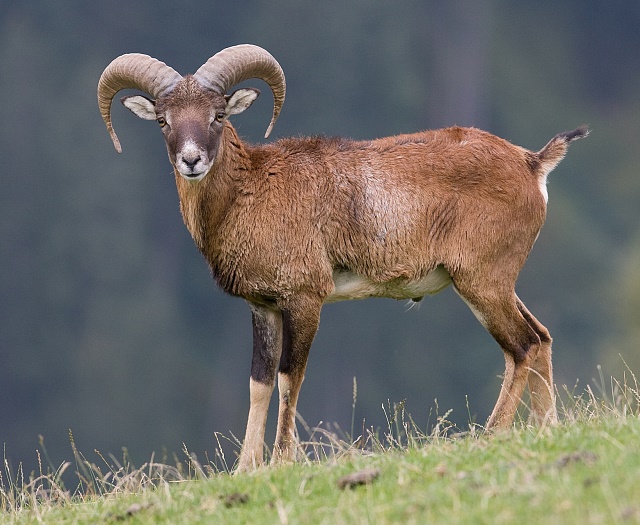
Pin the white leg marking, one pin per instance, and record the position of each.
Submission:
(251, 455)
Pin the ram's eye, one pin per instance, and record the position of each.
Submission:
(161, 121)
(220, 115)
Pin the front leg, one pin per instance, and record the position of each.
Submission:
(300, 319)
(267, 347)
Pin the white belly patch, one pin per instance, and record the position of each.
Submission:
(349, 285)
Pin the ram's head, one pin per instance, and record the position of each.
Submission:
(191, 110)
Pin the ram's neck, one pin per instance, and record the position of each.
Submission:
(205, 203)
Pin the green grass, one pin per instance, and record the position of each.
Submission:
(584, 470)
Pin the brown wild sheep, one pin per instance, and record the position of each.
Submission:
(297, 223)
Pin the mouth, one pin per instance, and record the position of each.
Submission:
(192, 173)
(193, 177)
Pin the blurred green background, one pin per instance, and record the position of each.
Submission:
(110, 323)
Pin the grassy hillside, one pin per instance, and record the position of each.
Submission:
(585, 470)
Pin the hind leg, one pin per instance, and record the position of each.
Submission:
(501, 316)
(541, 388)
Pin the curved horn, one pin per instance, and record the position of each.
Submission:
(133, 71)
(235, 64)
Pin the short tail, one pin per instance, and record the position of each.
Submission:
(548, 157)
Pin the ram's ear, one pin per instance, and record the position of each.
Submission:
(240, 100)
(140, 106)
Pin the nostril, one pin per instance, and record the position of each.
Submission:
(191, 161)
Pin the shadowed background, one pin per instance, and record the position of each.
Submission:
(110, 323)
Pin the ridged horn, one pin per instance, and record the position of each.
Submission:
(133, 71)
(235, 64)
